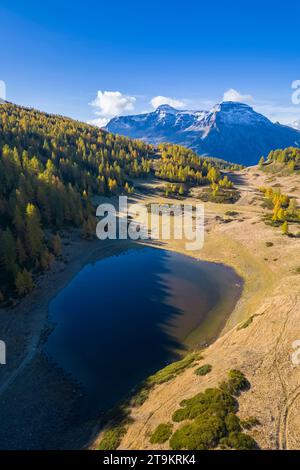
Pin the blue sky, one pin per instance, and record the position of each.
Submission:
(57, 55)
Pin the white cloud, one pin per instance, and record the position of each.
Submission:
(99, 122)
(2, 91)
(109, 104)
(277, 112)
(273, 110)
(296, 124)
(159, 100)
(234, 95)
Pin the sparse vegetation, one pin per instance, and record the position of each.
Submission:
(214, 420)
(246, 323)
(250, 423)
(112, 438)
(231, 213)
(163, 375)
(203, 370)
(175, 190)
(236, 383)
(220, 195)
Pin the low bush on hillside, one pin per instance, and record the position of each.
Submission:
(222, 196)
(246, 323)
(238, 441)
(212, 401)
(112, 438)
(161, 434)
(203, 370)
(231, 213)
(204, 433)
(236, 383)
(250, 423)
(215, 423)
(232, 423)
(172, 370)
(162, 376)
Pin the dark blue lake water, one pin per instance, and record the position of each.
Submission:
(124, 317)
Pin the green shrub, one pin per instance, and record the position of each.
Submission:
(211, 401)
(231, 213)
(112, 438)
(180, 415)
(214, 420)
(238, 441)
(140, 395)
(232, 423)
(163, 375)
(204, 433)
(236, 383)
(203, 370)
(246, 323)
(268, 244)
(172, 370)
(161, 434)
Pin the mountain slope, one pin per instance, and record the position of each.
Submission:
(231, 131)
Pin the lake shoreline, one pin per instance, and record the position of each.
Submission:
(35, 328)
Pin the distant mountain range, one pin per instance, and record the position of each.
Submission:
(231, 131)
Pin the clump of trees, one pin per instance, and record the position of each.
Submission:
(49, 168)
(284, 209)
(181, 165)
(172, 189)
(283, 161)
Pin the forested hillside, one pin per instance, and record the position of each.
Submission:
(49, 166)
(180, 165)
(283, 161)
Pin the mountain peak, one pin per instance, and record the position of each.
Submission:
(231, 130)
(233, 105)
(166, 108)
